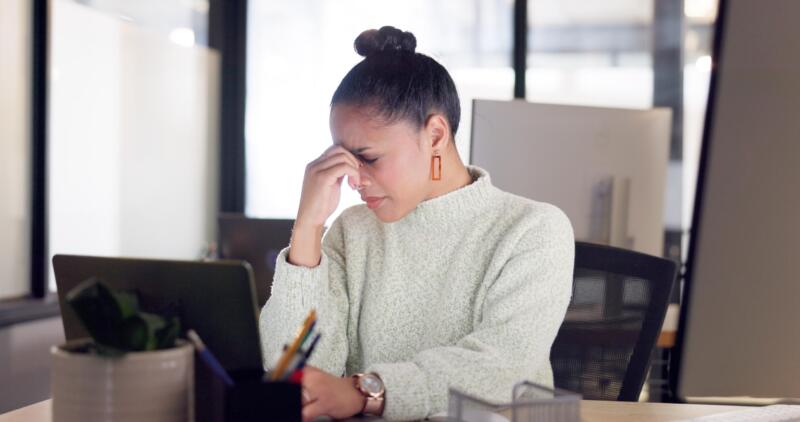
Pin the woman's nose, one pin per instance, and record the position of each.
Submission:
(363, 178)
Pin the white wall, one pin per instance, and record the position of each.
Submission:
(15, 42)
(168, 155)
(132, 139)
(84, 131)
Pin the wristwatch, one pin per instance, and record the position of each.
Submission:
(371, 386)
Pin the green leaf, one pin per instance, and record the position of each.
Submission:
(97, 309)
(127, 302)
(135, 335)
(166, 336)
(115, 323)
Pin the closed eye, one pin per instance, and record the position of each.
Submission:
(367, 160)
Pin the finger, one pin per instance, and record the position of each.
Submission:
(310, 380)
(341, 155)
(342, 150)
(334, 172)
(312, 410)
(332, 160)
(330, 150)
(335, 149)
(325, 154)
(305, 397)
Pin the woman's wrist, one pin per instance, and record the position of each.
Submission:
(305, 248)
(361, 400)
(371, 388)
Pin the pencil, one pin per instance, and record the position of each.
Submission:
(283, 362)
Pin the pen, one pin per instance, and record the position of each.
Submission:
(308, 334)
(208, 358)
(304, 358)
(297, 374)
(294, 363)
(313, 345)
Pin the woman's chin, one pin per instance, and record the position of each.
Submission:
(388, 214)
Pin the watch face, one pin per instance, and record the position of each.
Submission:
(371, 384)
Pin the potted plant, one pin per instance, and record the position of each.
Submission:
(133, 368)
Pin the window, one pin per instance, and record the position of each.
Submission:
(601, 54)
(298, 51)
(590, 53)
(700, 18)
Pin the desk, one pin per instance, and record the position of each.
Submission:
(591, 411)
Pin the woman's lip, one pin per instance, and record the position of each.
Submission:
(374, 202)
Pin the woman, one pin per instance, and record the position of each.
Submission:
(441, 280)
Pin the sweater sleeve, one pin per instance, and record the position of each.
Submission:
(521, 314)
(296, 290)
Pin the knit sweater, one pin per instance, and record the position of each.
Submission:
(467, 291)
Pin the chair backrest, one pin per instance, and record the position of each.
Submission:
(619, 300)
(257, 241)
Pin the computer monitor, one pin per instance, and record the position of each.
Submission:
(257, 241)
(216, 299)
(606, 168)
(739, 330)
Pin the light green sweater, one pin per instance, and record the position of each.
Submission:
(467, 291)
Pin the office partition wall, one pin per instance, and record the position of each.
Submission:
(133, 138)
(740, 323)
(15, 152)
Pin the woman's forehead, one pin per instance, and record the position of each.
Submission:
(358, 132)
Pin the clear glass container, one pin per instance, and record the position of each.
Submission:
(530, 402)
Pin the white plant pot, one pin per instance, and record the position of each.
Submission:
(155, 386)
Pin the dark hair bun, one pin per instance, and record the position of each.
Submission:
(385, 40)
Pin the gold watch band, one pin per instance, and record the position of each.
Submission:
(373, 405)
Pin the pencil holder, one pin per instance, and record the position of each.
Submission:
(249, 399)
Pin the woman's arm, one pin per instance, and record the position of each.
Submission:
(298, 289)
(310, 274)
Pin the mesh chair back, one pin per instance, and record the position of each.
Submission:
(619, 300)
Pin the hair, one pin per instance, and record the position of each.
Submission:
(396, 83)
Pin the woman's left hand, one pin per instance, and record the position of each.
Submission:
(325, 394)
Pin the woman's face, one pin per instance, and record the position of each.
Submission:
(396, 160)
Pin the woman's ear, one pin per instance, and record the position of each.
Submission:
(438, 131)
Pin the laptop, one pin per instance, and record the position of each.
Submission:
(215, 298)
(257, 241)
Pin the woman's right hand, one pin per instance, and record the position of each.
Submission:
(322, 185)
(320, 197)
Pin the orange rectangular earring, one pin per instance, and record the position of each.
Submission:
(436, 167)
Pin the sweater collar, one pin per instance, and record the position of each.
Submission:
(455, 207)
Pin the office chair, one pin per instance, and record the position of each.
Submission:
(619, 300)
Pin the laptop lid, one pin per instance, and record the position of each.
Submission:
(216, 298)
